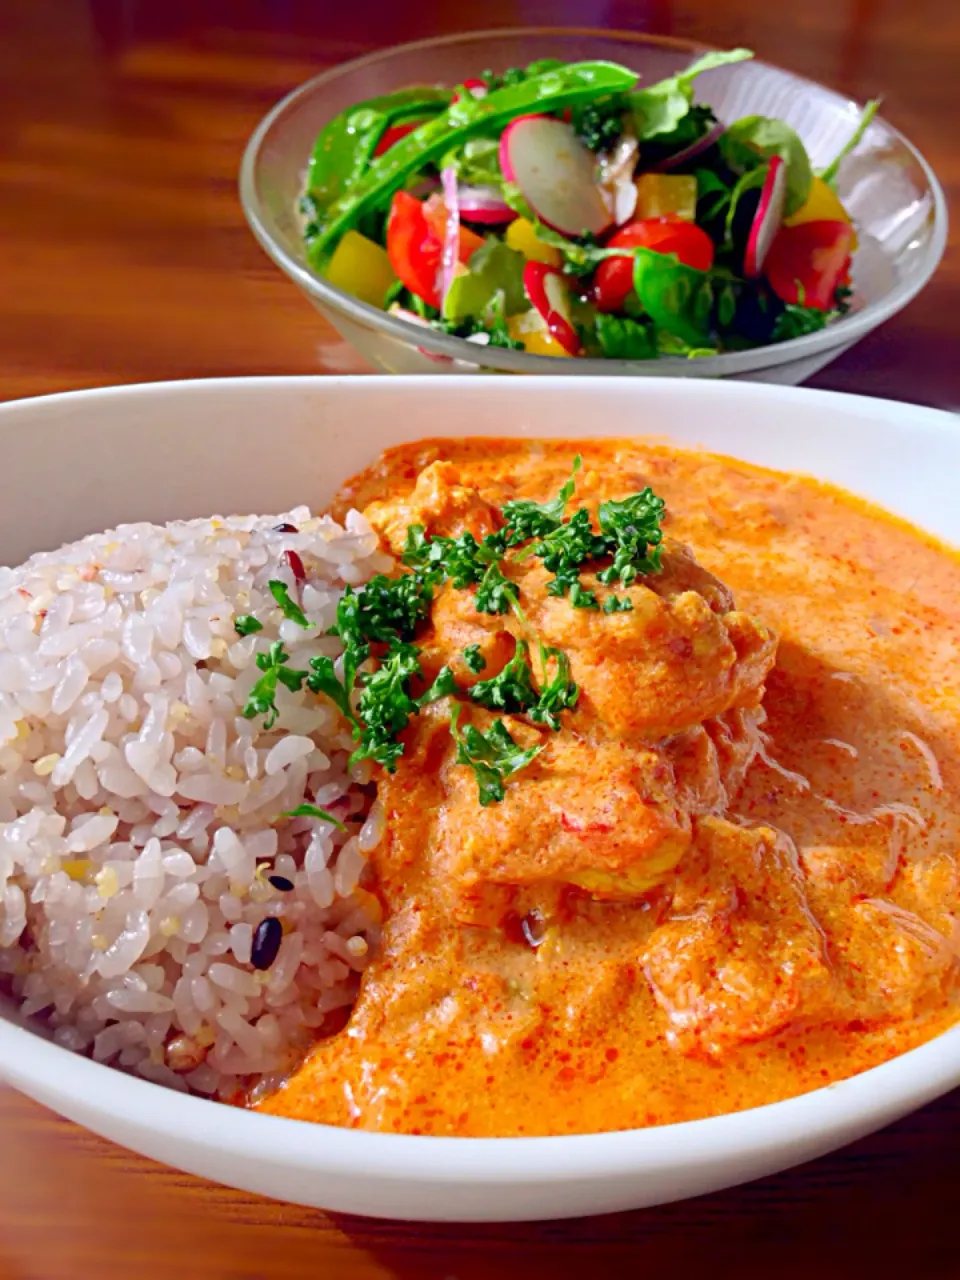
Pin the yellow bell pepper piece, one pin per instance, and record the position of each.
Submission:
(537, 339)
(522, 237)
(660, 194)
(822, 205)
(361, 267)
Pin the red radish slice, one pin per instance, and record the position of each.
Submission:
(555, 173)
(411, 317)
(451, 235)
(547, 290)
(476, 89)
(691, 152)
(484, 204)
(767, 220)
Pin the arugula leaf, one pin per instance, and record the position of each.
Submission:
(289, 608)
(474, 659)
(755, 139)
(526, 519)
(493, 756)
(245, 624)
(313, 811)
(261, 699)
(633, 525)
(496, 593)
(622, 338)
(513, 689)
(558, 694)
(660, 108)
(829, 174)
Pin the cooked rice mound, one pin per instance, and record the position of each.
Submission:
(141, 813)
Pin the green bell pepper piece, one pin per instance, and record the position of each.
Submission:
(677, 298)
(346, 145)
(550, 91)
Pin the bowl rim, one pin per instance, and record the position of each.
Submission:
(844, 332)
(834, 1113)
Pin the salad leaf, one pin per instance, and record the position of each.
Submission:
(678, 298)
(829, 174)
(494, 268)
(598, 125)
(749, 142)
(551, 90)
(622, 338)
(660, 108)
(476, 162)
(493, 756)
(795, 321)
(668, 344)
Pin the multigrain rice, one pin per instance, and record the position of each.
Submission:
(140, 811)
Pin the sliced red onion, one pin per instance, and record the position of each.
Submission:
(425, 188)
(484, 204)
(694, 149)
(451, 236)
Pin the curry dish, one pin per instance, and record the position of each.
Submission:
(725, 875)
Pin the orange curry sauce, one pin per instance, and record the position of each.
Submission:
(723, 882)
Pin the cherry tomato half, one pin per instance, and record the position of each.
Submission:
(614, 276)
(415, 243)
(394, 134)
(807, 263)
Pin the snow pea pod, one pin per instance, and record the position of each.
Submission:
(550, 91)
(677, 298)
(345, 146)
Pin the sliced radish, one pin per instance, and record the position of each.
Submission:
(546, 288)
(691, 152)
(484, 204)
(476, 89)
(555, 173)
(767, 220)
(411, 317)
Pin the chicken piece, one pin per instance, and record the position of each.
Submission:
(740, 955)
(439, 502)
(680, 656)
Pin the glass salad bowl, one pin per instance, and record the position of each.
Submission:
(888, 188)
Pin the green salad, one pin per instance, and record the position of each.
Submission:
(564, 209)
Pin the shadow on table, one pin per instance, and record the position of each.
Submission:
(886, 1206)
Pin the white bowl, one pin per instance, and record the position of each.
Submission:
(81, 462)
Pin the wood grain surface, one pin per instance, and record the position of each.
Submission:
(124, 257)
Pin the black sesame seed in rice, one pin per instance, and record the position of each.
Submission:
(281, 883)
(266, 942)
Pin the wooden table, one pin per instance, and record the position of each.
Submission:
(124, 257)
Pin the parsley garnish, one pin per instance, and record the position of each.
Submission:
(444, 685)
(312, 811)
(245, 624)
(617, 604)
(559, 694)
(496, 593)
(281, 593)
(474, 659)
(262, 697)
(632, 528)
(493, 756)
(512, 690)
(525, 519)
